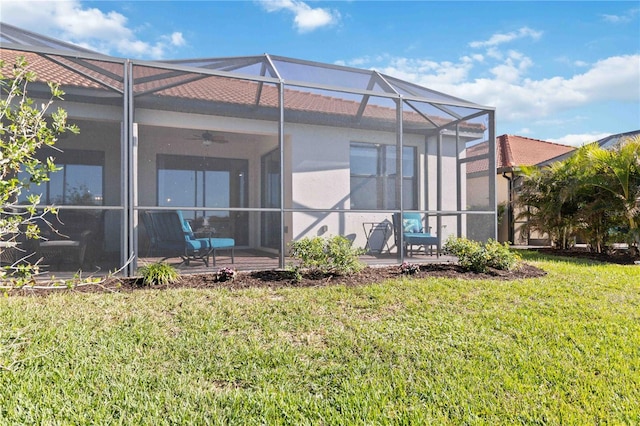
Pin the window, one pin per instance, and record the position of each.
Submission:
(373, 176)
(79, 180)
(187, 181)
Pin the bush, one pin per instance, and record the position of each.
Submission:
(500, 256)
(159, 273)
(476, 257)
(470, 253)
(327, 255)
(409, 268)
(226, 274)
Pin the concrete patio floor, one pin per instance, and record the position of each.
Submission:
(245, 260)
(251, 260)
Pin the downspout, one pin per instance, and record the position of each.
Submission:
(509, 212)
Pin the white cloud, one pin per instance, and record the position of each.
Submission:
(507, 87)
(579, 139)
(512, 68)
(628, 16)
(497, 39)
(106, 32)
(177, 39)
(616, 78)
(306, 18)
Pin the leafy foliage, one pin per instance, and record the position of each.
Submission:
(593, 194)
(24, 129)
(407, 268)
(158, 273)
(500, 256)
(477, 257)
(327, 255)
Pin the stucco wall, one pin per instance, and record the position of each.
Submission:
(317, 169)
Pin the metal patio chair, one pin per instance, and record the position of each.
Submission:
(170, 235)
(414, 233)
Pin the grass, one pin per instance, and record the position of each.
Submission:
(560, 349)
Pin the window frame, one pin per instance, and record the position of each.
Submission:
(196, 164)
(383, 153)
(62, 159)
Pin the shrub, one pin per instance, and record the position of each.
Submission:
(476, 257)
(500, 256)
(159, 273)
(225, 274)
(327, 255)
(470, 253)
(409, 268)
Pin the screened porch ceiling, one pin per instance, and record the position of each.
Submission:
(315, 93)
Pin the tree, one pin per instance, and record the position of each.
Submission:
(590, 194)
(548, 203)
(594, 216)
(616, 172)
(24, 129)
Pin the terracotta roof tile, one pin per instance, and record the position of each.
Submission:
(166, 83)
(517, 151)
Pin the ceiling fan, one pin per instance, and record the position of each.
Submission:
(209, 138)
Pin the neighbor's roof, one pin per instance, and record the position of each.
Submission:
(516, 151)
(613, 140)
(608, 142)
(513, 151)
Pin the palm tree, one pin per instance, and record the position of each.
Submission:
(617, 173)
(548, 201)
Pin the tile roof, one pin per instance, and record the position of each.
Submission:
(516, 151)
(163, 83)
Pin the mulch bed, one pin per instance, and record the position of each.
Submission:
(285, 278)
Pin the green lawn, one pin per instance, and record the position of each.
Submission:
(560, 349)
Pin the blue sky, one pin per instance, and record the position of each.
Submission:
(566, 71)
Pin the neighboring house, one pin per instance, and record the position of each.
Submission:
(262, 149)
(514, 152)
(607, 143)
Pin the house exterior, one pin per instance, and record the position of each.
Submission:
(608, 142)
(515, 152)
(264, 149)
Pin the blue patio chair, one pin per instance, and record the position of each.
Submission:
(413, 233)
(167, 238)
(171, 236)
(213, 243)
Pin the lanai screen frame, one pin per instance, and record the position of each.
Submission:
(405, 95)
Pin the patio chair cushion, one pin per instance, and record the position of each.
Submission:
(413, 232)
(411, 225)
(221, 242)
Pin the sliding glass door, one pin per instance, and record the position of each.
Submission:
(213, 183)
